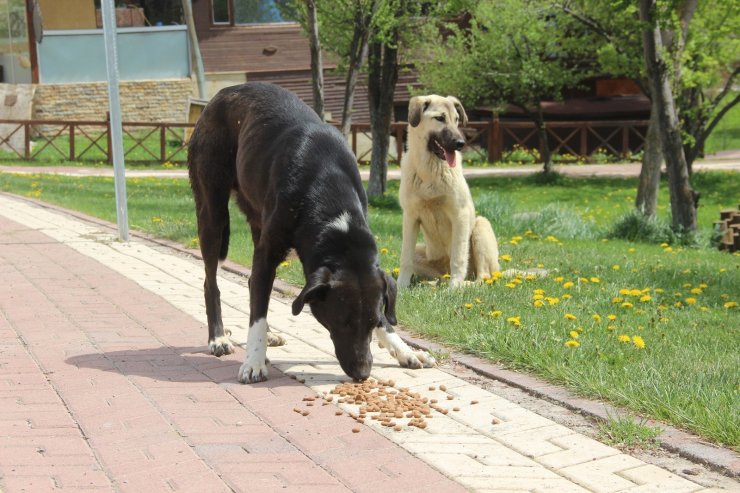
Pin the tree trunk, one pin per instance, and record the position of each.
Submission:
(317, 67)
(358, 51)
(652, 159)
(382, 78)
(544, 141)
(683, 198)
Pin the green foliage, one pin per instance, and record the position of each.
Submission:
(515, 51)
(625, 431)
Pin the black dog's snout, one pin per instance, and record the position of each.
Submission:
(459, 144)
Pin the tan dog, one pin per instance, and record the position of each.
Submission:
(435, 197)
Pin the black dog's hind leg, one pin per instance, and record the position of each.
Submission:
(213, 233)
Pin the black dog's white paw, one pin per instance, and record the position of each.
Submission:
(220, 346)
(252, 373)
(275, 340)
(416, 360)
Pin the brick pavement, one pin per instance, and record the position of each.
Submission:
(105, 385)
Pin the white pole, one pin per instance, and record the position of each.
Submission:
(111, 62)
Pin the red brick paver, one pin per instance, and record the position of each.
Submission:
(105, 386)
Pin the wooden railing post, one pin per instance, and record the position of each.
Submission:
(584, 140)
(495, 140)
(162, 143)
(625, 140)
(353, 129)
(72, 142)
(27, 140)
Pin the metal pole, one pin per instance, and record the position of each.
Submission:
(116, 135)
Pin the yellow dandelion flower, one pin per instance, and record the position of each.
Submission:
(616, 267)
(703, 308)
(539, 291)
(703, 286)
(730, 304)
(510, 285)
(489, 281)
(584, 280)
(538, 297)
(596, 317)
(515, 321)
(624, 291)
(572, 344)
(552, 301)
(568, 285)
(638, 341)
(570, 316)
(611, 317)
(722, 270)
(632, 250)
(635, 292)
(559, 279)
(668, 249)
(468, 305)
(690, 301)
(285, 263)
(645, 298)
(624, 338)
(659, 290)
(505, 258)
(610, 328)
(530, 277)
(617, 299)
(687, 285)
(678, 304)
(396, 270)
(595, 279)
(574, 334)
(696, 291)
(566, 296)
(538, 303)
(445, 276)
(384, 251)
(495, 313)
(627, 304)
(664, 245)
(478, 300)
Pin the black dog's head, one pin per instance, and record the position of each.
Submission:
(350, 305)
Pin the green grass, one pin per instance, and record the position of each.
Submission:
(626, 432)
(726, 135)
(683, 367)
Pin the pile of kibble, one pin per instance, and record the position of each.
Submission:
(379, 400)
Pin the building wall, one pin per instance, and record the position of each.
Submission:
(141, 101)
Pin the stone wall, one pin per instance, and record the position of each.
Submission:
(141, 101)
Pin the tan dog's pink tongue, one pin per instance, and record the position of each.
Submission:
(450, 158)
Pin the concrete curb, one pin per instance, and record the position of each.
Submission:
(689, 446)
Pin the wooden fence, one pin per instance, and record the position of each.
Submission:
(167, 141)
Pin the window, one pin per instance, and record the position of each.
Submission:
(250, 12)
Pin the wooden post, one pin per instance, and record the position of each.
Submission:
(72, 142)
(27, 140)
(495, 140)
(162, 144)
(625, 140)
(354, 140)
(584, 140)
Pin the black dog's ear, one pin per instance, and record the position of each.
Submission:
(389, 297)
(460, 110)
(318, 284)
(417, 105)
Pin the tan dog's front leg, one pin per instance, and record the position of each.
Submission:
(410, 232)
(459, 249)
(483, 249)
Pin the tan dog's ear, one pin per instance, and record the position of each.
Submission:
(460, 110)
(417, 105)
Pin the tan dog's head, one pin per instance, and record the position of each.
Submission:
(437, 118)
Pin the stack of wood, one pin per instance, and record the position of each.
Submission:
(729, 227)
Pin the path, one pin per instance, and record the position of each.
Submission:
(107, 387)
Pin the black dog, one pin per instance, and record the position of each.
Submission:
(297, 182)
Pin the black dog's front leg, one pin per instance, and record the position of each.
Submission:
(254, 368)
(397, 347)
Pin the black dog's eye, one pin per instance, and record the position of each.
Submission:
(440, 118)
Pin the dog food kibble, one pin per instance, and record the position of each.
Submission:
(495, 421)
(306, 412)
(473, 402)
(378, 400)
(296, 410)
